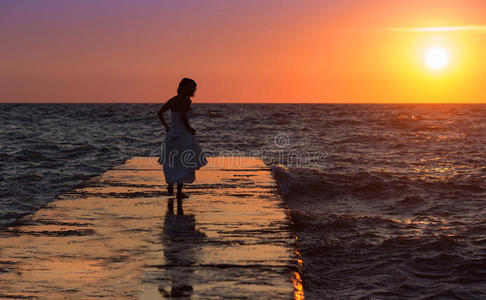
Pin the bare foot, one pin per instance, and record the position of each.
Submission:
(181, 195)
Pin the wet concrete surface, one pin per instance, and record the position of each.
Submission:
(120, 236)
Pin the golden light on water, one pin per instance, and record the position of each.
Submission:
(298, 288)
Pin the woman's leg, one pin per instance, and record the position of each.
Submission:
(180, 194)
(170, 189)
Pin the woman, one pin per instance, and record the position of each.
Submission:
(181, 155)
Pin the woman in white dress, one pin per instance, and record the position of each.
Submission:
(180, 155)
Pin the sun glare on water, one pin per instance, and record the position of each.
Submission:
(437, 58)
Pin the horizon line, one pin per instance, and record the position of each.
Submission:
(103, 102)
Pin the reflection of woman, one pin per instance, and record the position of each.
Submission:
(181, 249)
(181, 155)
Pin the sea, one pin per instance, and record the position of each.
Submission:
(388, 201)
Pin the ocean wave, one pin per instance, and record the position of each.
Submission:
(286, 180)
(368, 184)
(401, 186)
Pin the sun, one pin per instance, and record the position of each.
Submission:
(437, 58)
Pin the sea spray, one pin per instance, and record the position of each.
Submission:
(286, 180)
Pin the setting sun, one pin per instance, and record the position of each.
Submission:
(437, 58)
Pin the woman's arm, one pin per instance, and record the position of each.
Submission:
(161, 112)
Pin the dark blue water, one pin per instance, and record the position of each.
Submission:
(388, 201)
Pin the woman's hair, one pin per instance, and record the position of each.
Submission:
(183, 83)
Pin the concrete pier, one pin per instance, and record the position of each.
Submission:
(120, 236)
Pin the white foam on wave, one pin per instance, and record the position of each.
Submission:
(286, 180)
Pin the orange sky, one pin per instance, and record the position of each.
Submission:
(241, 51)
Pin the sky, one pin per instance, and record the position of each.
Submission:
(345, 51)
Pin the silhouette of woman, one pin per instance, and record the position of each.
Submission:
(181, 155)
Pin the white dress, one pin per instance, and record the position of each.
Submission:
(180, 153)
